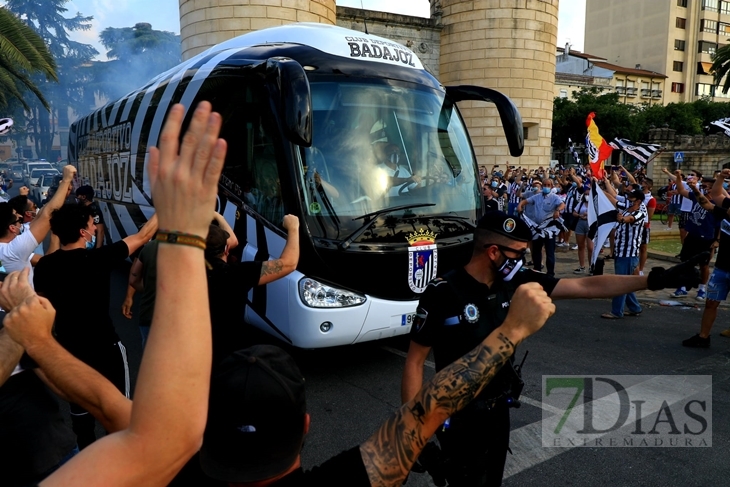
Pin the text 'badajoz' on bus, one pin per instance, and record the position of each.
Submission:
(347, 131)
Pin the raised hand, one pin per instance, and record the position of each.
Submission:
(184, 179)
(31, 321)
(69, 172)
(15, 289)
(531, 307)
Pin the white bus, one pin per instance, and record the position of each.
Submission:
(347, 131)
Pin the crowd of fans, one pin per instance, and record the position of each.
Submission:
(206, 409)
(195, 387)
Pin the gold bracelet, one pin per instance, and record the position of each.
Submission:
(180, 238)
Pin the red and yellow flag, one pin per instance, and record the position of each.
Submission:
(596, 146)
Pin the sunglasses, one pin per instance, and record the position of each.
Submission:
(520, 253)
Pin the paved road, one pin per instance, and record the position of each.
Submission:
(351, 390)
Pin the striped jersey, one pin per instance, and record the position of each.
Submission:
(628, 235)
(514, 192)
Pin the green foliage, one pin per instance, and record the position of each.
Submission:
(22, 53)
(137, 54)
(633, 122)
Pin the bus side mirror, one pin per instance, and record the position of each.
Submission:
(508, 113)
(295, 99)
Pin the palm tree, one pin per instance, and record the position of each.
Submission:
(721, 67)
(22, 52)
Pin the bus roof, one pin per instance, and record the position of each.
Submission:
(331, 39)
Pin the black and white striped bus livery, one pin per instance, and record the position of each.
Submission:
(347, 131)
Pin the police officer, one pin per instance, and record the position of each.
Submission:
(458, 311)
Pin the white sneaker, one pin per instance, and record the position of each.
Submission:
(561, 244)
(574, 247)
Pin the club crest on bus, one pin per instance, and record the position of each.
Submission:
(422, 259)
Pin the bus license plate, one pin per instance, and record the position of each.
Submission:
(407, 319)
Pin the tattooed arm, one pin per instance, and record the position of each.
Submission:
(701, 199)
(389, 453)
(271, 270)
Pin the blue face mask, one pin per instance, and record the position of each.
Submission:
(90, 244)
(545, 190)
(573, 184)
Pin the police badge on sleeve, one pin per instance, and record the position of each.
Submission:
(422, 259)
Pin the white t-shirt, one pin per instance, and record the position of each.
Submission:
(39, 250)
(686, 202)
(15, 256)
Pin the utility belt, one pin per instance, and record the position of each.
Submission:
(434, 461)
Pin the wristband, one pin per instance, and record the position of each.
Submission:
(179, 238)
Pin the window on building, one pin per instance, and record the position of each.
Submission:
(725, 7)
(677, 87)
(709, 26)
(720, 94)
(681, 3)
(656, 90)
(704, 89)
(680, 23)
(723, 29)
(711, 5)
(563, 93)
(645, 89)
(678, 66)
(678, 45)
(707, 47)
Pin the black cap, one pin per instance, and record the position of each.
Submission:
(86, 190)
(503, 224)
(256, 416)
(637, 193)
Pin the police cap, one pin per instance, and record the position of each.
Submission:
(501, 223)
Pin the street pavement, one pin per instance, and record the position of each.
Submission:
(352, 390)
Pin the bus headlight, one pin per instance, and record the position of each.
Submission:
(317, 295)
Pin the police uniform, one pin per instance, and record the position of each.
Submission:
(455, 314)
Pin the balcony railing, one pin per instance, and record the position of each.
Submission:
(645, 93)
(656, 93)
(621, 90)
(631, 91)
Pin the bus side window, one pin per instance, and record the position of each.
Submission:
(251, 162)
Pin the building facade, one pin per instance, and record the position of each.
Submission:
(676, 37)
(508, 45)
(575, 70)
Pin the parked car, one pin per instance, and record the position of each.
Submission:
(39, 191)
(36, 174)
(16, 172)
(33, 165)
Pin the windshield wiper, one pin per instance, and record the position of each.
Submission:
(370, 218)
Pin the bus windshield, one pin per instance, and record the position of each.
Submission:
(379, 145)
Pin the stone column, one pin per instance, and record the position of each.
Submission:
(507, 45)
(205, 23)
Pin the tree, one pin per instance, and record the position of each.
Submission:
(22, 52)
(136, 55)
(46, 17)
(721, 67)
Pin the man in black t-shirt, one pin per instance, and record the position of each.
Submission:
(229, 284)
(83, 325)
(458, 310)
(719, 283)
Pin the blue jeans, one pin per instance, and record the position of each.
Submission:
(624, 266)
(537, 245)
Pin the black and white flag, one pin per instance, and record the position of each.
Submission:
(643, 152)
(548, 229)
(723, 125)
(574, 151)
(601, 219)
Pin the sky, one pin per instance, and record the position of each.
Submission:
(164, 15)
